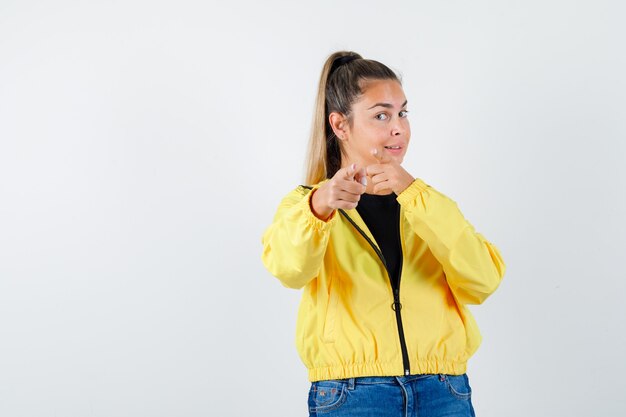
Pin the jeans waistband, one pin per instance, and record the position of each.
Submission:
(371, 380)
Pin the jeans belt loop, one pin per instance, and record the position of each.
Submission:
(351, 383)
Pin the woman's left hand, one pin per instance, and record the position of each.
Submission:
(388, 175)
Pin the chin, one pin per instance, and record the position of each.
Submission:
(399, 159)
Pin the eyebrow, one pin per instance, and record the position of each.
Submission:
(387, 105)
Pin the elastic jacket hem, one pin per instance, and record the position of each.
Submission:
(386, 369)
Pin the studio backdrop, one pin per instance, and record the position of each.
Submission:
(145, 146)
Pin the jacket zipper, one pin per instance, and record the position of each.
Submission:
(396, 306)
(405, 353)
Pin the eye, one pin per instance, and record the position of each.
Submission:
(382, 116)
(404, 113)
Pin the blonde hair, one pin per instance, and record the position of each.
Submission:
(340, 85)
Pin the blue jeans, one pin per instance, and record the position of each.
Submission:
(436, 395)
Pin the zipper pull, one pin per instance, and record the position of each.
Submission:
(396, 305)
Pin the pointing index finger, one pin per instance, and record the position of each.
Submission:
(350, 171)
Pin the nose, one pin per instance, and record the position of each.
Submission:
(397, 129)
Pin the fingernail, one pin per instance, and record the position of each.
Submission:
(364, 181)
(353, 167)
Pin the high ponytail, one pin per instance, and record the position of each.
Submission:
(339, 87)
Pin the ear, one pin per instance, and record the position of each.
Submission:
(339, 124)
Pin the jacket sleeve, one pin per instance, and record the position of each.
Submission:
(473, 266)
(295, 243)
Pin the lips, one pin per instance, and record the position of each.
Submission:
(394, 149)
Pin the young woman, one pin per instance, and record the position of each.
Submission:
(387, 262)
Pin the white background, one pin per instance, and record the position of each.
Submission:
(144, 146)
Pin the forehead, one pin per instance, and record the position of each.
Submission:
(381, 91)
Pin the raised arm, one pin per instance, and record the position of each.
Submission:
(295, 243)
(473, 266)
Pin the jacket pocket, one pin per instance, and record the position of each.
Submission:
(328, 334)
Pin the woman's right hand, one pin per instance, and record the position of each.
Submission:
(342, 191)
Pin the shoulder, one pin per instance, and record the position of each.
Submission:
(304, 189)
(301, 192)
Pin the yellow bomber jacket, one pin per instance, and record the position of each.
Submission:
(350, 323)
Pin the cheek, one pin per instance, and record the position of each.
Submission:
(368, 137)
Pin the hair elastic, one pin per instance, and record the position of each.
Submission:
(341, 61)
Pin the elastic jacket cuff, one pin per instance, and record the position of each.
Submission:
(412, 191)
(312, 219)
